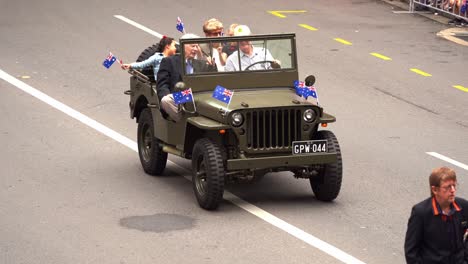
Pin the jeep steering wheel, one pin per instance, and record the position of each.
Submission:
(258, 62)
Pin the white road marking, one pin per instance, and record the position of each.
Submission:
(69, 111)
(260, 213)
(292, 230)
(137, 25)
(449, 160)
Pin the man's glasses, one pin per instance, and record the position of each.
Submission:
(449, 187)
(214, 33)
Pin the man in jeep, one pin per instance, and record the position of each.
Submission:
(170, 73)
(249, 55)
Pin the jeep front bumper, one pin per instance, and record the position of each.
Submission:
(280, 161)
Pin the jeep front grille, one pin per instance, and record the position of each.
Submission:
(271, 128)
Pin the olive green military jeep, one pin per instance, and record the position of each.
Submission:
(265, 126)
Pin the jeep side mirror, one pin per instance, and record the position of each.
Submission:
(180, 86)
(310, 80)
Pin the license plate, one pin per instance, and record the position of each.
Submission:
(309, 146)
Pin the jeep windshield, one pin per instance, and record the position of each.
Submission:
(238, 54)
(239, 62)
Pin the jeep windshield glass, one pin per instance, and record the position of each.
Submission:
(238, 55)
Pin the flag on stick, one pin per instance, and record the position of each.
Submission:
(180, 25)
(222, 94)
(109, 60)
(183, 96)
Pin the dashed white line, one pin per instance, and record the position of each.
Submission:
(449, 160)
(69, 111)
(137, 25)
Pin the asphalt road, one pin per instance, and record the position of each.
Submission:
(71, 194)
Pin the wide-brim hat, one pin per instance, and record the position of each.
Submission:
(242, 30)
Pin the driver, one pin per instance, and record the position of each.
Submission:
(250, 55)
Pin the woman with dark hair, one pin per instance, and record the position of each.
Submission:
(166, 48)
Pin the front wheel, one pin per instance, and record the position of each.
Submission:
(208, 173)
(327, 184)
(153, 159)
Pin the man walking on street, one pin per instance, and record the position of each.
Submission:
(437, 225)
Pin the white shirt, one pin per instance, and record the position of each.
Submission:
(258, 54)
(217, 60)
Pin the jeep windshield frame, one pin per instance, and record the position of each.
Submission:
(270, 47)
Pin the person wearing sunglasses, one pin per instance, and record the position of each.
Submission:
(436, 228)
(212, 52)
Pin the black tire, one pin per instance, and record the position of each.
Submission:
(152, 158)
(326, 186)
(207, 173)
(148, 52)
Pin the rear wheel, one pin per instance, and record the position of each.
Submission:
(153, 159)
(208, 173)
(327, 184)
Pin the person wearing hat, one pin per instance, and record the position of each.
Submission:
(249, 55)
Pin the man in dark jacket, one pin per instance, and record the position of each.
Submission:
(170, 72)
(437, 225)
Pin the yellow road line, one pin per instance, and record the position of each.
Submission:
(425, 74)
(279, 13)
(380, 56)
(308, 27)
(461, 88)
(343, 41)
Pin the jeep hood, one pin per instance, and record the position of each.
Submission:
(248, 99)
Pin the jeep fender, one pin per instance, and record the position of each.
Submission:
(200, 126)
(327, 118)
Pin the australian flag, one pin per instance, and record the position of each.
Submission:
(183, 96)
(223, 94)
(180, 25)
(109, 60)
(305, 91)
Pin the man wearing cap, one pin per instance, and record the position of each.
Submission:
(249, 55)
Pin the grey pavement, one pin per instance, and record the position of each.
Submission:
(72, 195)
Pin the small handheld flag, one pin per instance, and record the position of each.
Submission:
(223, 94)
(109, 60)
(180, 25)
(183, 96)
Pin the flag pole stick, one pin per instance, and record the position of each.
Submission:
(316, 94)
(193, 100)
(227, 107)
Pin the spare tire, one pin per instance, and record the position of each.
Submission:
(148, 52)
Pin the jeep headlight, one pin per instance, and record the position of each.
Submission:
(237, 119)
(309, 115)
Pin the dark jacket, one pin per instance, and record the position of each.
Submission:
(430, 239)
(170, 72)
